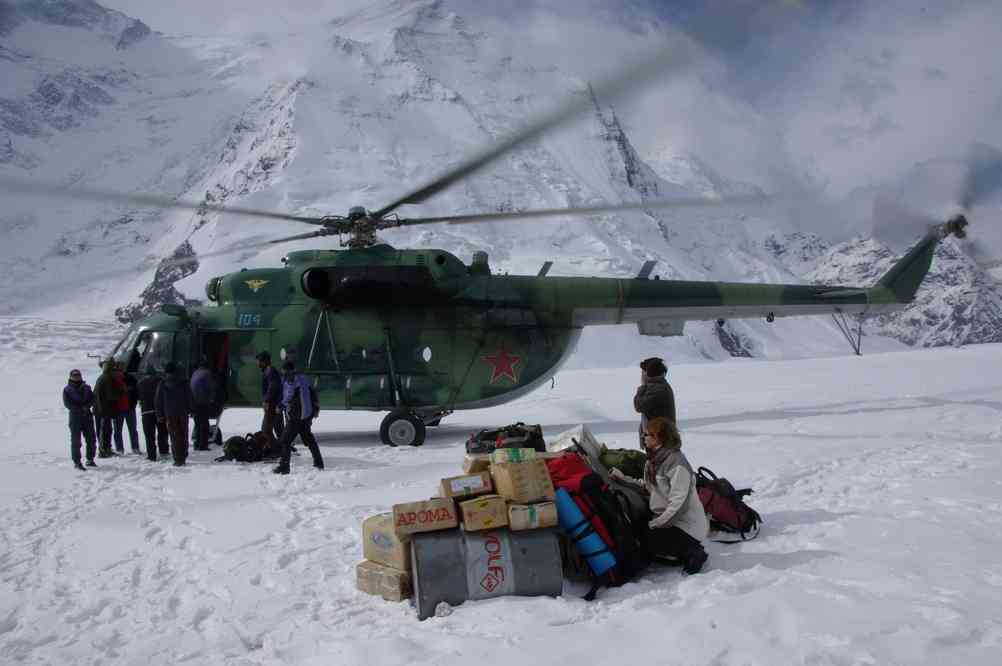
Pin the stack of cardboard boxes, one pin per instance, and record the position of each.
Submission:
(521, 478)
(507, 488)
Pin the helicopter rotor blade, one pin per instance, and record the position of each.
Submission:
(691, 202)
(628, 79)
(54, 190)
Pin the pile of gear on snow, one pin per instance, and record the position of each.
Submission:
(524, 515)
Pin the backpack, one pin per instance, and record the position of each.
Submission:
(628, 461)
(253, 447)
(514, 436)
(611, 517)
(725, 506)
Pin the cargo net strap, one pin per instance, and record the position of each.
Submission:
(854, 338)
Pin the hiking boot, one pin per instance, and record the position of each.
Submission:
(281, 469)
(105, 453)
(91, 463)
(137, 452)
(695, 560)
(178, 463)
(319, 464)
(79, 466)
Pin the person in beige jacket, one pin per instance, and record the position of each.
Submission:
(679, 524)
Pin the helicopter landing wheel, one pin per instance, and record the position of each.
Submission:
(402, 427)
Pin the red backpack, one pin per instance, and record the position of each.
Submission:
(610, 515)
(725, 506)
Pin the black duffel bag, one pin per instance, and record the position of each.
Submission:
(514, 436)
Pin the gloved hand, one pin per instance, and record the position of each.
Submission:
(616, 474)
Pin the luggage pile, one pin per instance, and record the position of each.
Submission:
(488, 532)
(515, 522)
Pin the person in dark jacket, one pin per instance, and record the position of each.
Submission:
(78, 398)
(154, 431)
(173, 403)
(272, 422)
(107, 395)
(297, 402)
(654, 396)
(203, 395)
(132, 390)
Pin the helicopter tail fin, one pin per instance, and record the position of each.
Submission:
(904, 277)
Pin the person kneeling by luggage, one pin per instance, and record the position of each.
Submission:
(298, 403)
(679, 524)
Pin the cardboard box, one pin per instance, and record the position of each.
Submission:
(523, 483)
(476, 462)
(383, 581)
(532, 516)
(381, 544)
(483, 513)
(499, 456)
(467, 485)
(427, 516)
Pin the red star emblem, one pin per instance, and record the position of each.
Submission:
(503, 365)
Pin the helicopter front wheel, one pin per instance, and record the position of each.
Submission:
(402, 427)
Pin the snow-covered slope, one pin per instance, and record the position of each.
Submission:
(877, 478)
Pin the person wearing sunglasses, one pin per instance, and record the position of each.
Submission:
(679, 522)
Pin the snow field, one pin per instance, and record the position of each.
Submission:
(878, 478)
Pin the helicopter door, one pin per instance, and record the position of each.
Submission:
(215, 348)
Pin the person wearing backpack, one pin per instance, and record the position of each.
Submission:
(299, 404)
(654, 396)
(679, 524)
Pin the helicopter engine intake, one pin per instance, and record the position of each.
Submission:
(359, 286)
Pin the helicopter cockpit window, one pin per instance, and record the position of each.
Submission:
(154, 349)
(126, 345)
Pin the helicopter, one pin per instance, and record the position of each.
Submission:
(419, 334)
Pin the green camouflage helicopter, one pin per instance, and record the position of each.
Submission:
(419, 333)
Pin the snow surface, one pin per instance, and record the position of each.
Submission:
(878, 477)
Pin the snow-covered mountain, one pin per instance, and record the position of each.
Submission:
(353, 111)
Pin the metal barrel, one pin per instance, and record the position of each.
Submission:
(455, 566)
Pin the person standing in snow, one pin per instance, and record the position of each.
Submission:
(108, 395)
(298, 403)
(132, 390)
(173, 403)
(203, 395)
(654, 396)
(154, 431)
(679, 524)
(272, 422)
(78, 398)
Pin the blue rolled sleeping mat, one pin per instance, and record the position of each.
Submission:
(582, 534)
